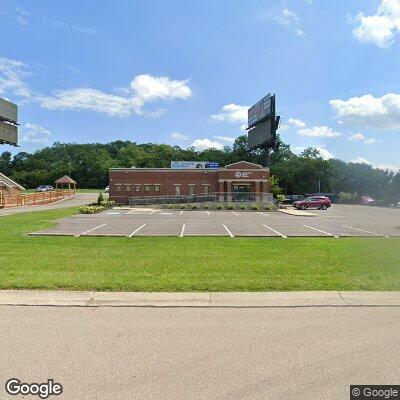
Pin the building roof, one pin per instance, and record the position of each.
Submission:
(9, 182)
(243, 165)
(65, 180)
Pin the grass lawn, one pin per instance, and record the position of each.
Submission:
(190, 264)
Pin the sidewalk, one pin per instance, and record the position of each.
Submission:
(197, 299)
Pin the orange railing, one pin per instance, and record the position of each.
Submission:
(33, 199)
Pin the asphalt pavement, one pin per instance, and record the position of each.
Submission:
(200, 353)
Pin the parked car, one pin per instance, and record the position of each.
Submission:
(45, 188)
(319, 202)
(106, 189)
(367, 201)
(291, 198)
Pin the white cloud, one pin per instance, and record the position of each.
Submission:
(358, 137)
(89, 99)
(203, 144)
(382, 27)
(369, 111)
(225, 139)
(232, 113)
(126, 101)
(179, 136)
(287, 17)
(385, 167)
(34, 133)
(319, 131)
(297, 122)
(370, 141)
(12, 76)
(300, 33)
(325, 154)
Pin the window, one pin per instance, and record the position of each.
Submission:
(192, 189)
(147, 188)
(177, 190)
(118, 188)
(128, 188)
(156, 188)
(137, 188)
(206, 189)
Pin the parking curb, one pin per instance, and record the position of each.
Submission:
(198, 299)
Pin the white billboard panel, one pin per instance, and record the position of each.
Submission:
(8, 110)
(193, 164)
(8, 133)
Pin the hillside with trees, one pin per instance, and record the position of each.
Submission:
(89, 164)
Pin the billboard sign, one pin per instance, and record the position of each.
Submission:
(261, 135)
(263, 109)
(194, 165)
(8, 111)
(8, 133)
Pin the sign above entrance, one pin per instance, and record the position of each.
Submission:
(194, 165)
(239, 174)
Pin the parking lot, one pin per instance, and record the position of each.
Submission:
(338, 221)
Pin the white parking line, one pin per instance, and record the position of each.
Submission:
(183, 230)
(208, 212)
(278, 233)
(153, 212)
(319, 230)
(137, 230)
(235, 213)
(262, 213)
(90, 230)
(362, 230)
(229, 232)
(130, 212)
(181, 212)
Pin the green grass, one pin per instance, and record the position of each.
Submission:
(190, 264)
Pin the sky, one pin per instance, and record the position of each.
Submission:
(185, 72)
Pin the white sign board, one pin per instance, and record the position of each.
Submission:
(8, 110)
(8, 133)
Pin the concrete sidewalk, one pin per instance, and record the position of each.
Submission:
(198, 299)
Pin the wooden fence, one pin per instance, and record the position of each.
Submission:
(33, 199)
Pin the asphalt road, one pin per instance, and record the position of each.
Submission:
(338, 221)
(201, 353)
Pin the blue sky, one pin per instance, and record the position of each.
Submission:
(184, 72)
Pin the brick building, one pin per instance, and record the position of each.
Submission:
(226, 183)
(9, 188)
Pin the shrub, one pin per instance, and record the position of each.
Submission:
(230, 207)
(280, 198)
(195, 207)
(268, 207)
(206, 207)
(183, 207)
(255, 207)
(90, 209)
(170, 206)
(347, 197)
(242, 207)
(219, 207)
(100, 199)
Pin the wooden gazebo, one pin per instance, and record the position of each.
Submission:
(65, 181)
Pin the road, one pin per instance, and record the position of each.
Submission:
(201, 353)
(79, 200)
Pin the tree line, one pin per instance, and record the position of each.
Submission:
(307, 172)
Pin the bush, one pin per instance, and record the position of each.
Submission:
(230, 207)
(269, 207)
(170, 206)
(183, 207)
(100, 199)
(90, 209)
(347, 197)
(243, 207)
(280, 198)
(255, 207)
(195, 207)
(206, 207)
(219, 207)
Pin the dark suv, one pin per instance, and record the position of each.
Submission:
(319, 202)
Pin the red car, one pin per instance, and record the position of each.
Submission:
(319, 202)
